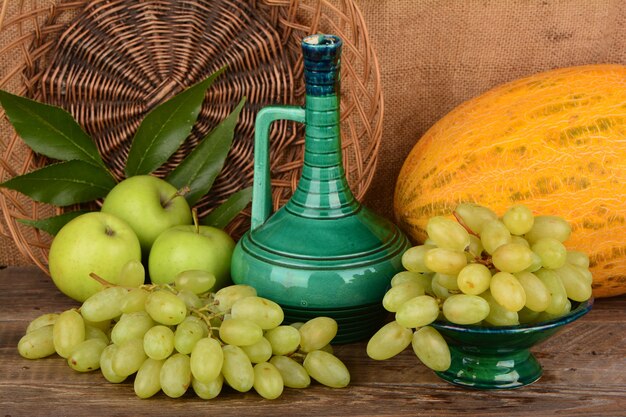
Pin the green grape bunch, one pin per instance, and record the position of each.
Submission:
(480, 269)
(181, 337)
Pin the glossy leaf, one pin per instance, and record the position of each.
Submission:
(200, 168)
(52, 225)
(165, 128)
(223, 214)
(49, 130)
(64, 183)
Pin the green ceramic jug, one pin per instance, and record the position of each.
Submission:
(322, 253)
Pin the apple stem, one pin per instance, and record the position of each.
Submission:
(179, 193)
(196, 222)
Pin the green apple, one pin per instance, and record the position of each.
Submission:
(183, 248)
(92, 242)
(150, 205)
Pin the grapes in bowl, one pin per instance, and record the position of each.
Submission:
(499, 357)
(482, 290)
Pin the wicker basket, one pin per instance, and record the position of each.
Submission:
(109, 61)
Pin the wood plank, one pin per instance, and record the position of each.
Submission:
(583, 375)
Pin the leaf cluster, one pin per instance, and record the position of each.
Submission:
(79, 174)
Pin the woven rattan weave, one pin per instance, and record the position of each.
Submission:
(109, 62)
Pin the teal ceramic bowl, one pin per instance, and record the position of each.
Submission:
(499, 357)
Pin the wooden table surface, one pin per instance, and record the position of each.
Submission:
(584, 375)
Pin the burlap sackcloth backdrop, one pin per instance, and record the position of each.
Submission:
(436, 54)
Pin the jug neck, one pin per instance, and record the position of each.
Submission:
(323, 189)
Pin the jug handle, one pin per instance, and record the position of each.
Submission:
(261, 186)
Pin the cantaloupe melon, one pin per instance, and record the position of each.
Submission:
(554, 141)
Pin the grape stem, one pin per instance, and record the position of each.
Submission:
(459, 219)
(484, 260)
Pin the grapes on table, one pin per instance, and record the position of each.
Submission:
(173, 338)
(479, 269)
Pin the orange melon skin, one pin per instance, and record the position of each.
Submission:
(554, 141)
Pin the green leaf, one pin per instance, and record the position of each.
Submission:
(226, 212)
(165, 128)
(200, 168)
(52, 225)
(49, 130)
(64, 183)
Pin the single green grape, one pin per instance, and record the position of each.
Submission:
(445, 261)
(175, 375)
(518, 219)
(265, 313)
(417, 312)
(447, 233)
(512, 257)
(507, 291)
(104, 305)
(85, 357)
(493, 235)
(474, 279)
(431, 349)
(549, 226)
(237, 368)
(317, 333)
(465, 309)
(194, 280)
(268, 382)
(388, 341)
(537, 294)
(240, 332)
(147, 381)
(284, 340)
(206, 360)
(166, 308)
(294, 375)
(551, 251)
(37, 344)
(326, 369)
(158, 342)
(67, 332)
